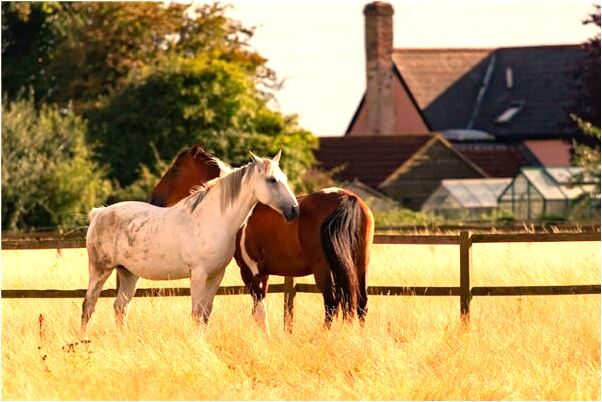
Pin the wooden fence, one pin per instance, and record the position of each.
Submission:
(464, 291)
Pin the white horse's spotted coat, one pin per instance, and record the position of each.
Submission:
(180, 241)
(331, 190)
(245, 256)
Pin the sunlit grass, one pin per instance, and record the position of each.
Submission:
(411, 347)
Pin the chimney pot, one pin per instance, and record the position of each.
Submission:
(378, 8)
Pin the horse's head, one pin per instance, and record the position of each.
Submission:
(271, 187)
(192, 167)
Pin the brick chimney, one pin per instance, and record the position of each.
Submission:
(379, 73)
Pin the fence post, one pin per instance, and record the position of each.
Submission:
(290, 291)
(465, 269)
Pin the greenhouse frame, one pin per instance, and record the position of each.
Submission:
(540, 192)
(468, 199)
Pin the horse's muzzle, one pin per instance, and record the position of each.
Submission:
(291, 213)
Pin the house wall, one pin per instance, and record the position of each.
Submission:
(406, 120)
(423, 174)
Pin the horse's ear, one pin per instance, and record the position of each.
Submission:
(254, 158)
(277, 157)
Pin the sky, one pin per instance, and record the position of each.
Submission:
(317, 47)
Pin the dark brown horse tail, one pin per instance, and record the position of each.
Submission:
(340, 238)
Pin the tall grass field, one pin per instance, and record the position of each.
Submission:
(517, 348)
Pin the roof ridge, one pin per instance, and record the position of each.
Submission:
(475, 179)
(480, 49)
(451, 49)
(388, 136)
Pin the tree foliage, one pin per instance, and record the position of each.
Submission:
(81, 52)
(587, 103)
(189, 101)
(588, 157)
(141, 77)
(27, 39)
(48, 177)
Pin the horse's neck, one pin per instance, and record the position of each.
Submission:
(234, 214)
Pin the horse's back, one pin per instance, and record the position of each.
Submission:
(109, 222)
(317, 207)
(125, 211)
(148, 241)
(270, 240)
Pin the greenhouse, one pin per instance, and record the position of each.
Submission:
(468, 199)
(539, 192)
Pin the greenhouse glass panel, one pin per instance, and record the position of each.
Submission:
(462, 194)
(556, 208)
(564, 175)
(536, 208)
(507, 194)
(546, 186)
(521, 207)
(520, 184)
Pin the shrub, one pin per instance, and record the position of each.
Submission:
(48, 176)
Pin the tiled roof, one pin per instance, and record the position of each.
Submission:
(496, 159)
(446, 82)
(369, 159)
(551, 153)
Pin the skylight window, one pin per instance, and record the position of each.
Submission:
(509, 113)
(509, 78)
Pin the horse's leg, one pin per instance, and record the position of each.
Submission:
(325, 283)
(203, 289)
(362, 263)
(98, 277)
(362, 302)
(259, 288)
(125, 293)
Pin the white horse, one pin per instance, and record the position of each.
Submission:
(194, 238)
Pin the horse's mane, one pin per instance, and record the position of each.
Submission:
(200, 154)
(231, 183)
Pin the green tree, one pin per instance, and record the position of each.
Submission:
(188, 101)
(28, 37)
(80, 52)
(585, 156)
(147, 75)
(586, 102)
(48, 176)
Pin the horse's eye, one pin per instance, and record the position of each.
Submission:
(271, 180)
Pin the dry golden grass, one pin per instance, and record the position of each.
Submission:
(411, 347)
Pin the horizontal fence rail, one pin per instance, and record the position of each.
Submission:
(500, 227)
(534, 227)
(533, 237)
(42, 243)
(227, 290)
(464, 291)
(535, 290)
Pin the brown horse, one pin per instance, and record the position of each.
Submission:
(194, 165)
(331, 239)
